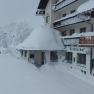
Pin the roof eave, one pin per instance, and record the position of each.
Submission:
(42, 4)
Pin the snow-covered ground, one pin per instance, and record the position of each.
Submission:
(20, 77)
(75, 72)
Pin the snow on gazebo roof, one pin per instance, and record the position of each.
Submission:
(43, 38)
(89, 5)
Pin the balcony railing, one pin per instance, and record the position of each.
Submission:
(69, 20)
(71, 41)
(81, 39)
(62, 3)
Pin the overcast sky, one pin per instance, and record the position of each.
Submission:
(19, 10)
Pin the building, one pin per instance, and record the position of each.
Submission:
(75, 21)
(42, 46)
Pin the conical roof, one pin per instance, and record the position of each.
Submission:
(43, 38)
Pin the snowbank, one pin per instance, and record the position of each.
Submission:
(19, 77)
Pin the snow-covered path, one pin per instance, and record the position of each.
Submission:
(18, 77)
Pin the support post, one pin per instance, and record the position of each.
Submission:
(59, 56)
(47, 56)
(28, 55)
(74, 59)
(88, 57)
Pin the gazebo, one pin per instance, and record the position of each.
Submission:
(42, 46)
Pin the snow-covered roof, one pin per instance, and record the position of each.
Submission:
(43, 38)
(77, 35)
(89, 5)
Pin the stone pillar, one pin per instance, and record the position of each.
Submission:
(28, 53)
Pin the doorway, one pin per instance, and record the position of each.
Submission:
(53, 56)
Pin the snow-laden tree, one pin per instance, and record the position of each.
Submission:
(13, 34)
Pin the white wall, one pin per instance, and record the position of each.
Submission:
(47, 56)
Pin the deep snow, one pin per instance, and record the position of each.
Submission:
(20, 77)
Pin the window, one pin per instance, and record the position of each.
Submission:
(57, 24)
(53, 56)
(92, 14)
(63, 15)
(63, 33)
(72, 11)
(69, 57)
(72, 31)
(42, 12)
(47, 18)
(82, 29)
(25, 53)
(31, 55)
(81, 59)
(56, 1)
(92, 63)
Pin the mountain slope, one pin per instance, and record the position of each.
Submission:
(13, 34)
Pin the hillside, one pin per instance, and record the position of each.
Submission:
(13, 34)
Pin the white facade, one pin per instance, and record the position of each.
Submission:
(73, 16)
